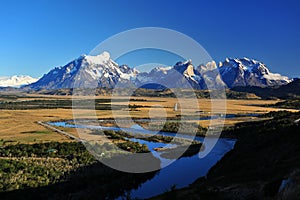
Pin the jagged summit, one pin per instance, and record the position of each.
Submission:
(249, 72)
(245, 64)
(98, 59)
(86, 71)
(101, 71)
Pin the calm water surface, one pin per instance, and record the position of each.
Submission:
(180, 172)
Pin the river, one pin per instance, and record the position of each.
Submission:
(181, 172)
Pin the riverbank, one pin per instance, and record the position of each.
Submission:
(265, 156)
(19, 126)
(188, 158)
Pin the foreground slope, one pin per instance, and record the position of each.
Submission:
(265, 164)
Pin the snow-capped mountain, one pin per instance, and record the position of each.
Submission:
(183, 75)
(247, 72)
(101, 71)
(86, 71)
(16, 81)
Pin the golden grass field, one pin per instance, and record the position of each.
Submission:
(20, 125)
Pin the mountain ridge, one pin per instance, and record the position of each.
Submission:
(249, 72)
(102, 71)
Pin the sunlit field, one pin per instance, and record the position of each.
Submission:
(20, 125)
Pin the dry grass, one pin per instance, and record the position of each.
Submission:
(17, 125)
(20, 125)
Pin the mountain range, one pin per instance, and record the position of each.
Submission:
(101, 71)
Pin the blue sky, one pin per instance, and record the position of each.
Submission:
(36, 36)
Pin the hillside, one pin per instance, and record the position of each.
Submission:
(288, 91)
(264, 164)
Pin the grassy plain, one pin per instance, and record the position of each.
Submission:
(20, 125)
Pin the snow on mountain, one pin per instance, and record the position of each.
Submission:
(230, 73)
(86, 71)
(247, 72)
(16, 81)
(183, 75)
(101, 71)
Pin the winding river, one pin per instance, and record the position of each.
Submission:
(181, 172)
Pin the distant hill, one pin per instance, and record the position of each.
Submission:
(16, 81)
(146, 92)
(10, 90)
(291, 90)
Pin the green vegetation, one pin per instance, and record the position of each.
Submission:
(230, 94)
(167, 139)
(280, 115)
(116, 135)
(60, 171)
(192, 93)
(184, 148)
(133, 147)
(140, 92)
(122, 135)
(158, 138)
(182, 127)
(288, 104)
(36, 165)
(100, 104)
(143, 92)
(21, 173)
(64, 150)
(182, 151)
(15, 102)
(265, 154)
(119, 138)
(289, 91)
